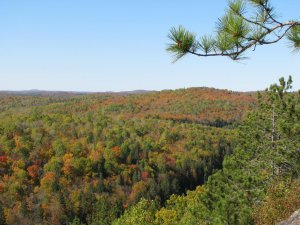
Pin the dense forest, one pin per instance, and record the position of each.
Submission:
(188, 156)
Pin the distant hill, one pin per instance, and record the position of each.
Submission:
(36, 92)
(201, 105)
(40, 93)
(62, 153)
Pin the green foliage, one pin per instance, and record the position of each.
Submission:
(294, 37)
(180, 210)
(245, 25)
(268, 151)
(71, 164)
(76, 221)
(2, 217)
(59, 156)
(143, 213)
(104, 213)
(184, 42)
(254, 184)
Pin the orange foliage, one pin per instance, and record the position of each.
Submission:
(145, 175)
(213, 105)
(117, 150)
(33, 171)
(136, 189)
(48, 181)
(170, 161)
(2, 187)
(68, 161)
(281, 202)
(3, 159)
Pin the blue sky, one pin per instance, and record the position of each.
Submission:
(117, 45)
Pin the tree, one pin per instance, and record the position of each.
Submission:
(104, 212)
(268, 153)
(281, 201)
(76, 221)
(254, 183)
(2, 217)
(143, 213)
(245, 25)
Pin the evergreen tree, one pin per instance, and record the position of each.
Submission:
(246, 25)
(2, 217)
(104, 212)
(143, 213)
(268, 152)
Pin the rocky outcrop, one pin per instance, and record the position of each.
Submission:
(293, 220)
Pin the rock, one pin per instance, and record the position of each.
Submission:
(293, 220)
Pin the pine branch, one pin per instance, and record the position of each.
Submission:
(235, 55)
(236, 33)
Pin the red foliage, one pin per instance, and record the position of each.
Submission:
(145, 175)
(170, 161)
(2, 187)
(3, 159)
(33, 171)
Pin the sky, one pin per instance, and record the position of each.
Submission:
(117, 45)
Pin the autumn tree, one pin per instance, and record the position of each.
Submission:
(245, 25)
(281, 201)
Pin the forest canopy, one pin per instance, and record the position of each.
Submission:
(90, 157)
(187, 156)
